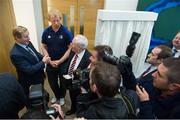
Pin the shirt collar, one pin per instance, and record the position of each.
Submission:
(51, 29)
(22, 45)
(81, 53)
(178, 50)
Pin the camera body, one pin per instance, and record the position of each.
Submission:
(80, 79)
(52, 111)
(124, 63)
(39, 99)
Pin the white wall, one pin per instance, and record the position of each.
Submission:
(126, 5)
(28, 13)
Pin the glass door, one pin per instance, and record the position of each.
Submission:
(79, 16)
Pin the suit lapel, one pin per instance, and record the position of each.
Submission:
(81, 64)
(26, 53)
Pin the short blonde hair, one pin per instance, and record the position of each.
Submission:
(18, 31)
(54, 13)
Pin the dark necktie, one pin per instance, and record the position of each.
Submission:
(70, 72)
(31, 52)
(174, 52)
(145, 72)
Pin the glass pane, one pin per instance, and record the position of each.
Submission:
(72, 8)
(81, 20)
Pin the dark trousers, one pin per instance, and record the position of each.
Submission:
(53, 75)
(73, 95)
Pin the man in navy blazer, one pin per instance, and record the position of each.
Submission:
(28, 62)
(78, 59)
(155, 58)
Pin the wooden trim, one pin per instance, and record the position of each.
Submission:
(45, 13)
(6, 39)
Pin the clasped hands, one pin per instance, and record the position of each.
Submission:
(54, 63)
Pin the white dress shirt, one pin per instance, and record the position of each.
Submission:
(177, 54)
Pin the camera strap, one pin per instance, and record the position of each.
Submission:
(128, 104)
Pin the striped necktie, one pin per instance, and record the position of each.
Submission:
(70, 72)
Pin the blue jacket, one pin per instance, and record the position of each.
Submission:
(29, 70)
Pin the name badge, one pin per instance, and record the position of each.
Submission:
(49, 36)
(60, 36)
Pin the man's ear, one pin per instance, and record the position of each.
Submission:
(16, 38)
(174, 87)
(94, 88)
(160, 61)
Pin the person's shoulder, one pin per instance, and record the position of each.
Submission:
(64, 29)
(8, 79)
(14, 49)
(48, 29)
(87, 52)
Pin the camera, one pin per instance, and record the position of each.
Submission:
(39, 99)
(80, 79)
(124, 62)
(52, 111)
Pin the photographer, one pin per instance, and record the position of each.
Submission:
(166, 103)
(104, 82)
(98, 52)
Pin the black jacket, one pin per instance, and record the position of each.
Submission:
(161, 107)
(104, 108)
(12, 98)
(147, 83)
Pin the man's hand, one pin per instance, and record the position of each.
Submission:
(83, 90)
(57, 62)
(46, 59)
(141, 92)
(58, 108)
(53, 63)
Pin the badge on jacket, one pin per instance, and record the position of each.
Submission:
(49, 36)
(61, 36)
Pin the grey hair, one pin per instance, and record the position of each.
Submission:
(81, 41)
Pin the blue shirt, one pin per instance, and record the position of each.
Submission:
(56, 42)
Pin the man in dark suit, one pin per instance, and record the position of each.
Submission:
(176, 45)
(164, 104)
(155, 58)
(78, 59)
(28, 62)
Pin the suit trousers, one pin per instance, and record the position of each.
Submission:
(73, 95)
(55, 81)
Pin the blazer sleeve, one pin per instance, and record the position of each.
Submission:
(23, 65)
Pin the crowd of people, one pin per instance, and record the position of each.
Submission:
(155, 95)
